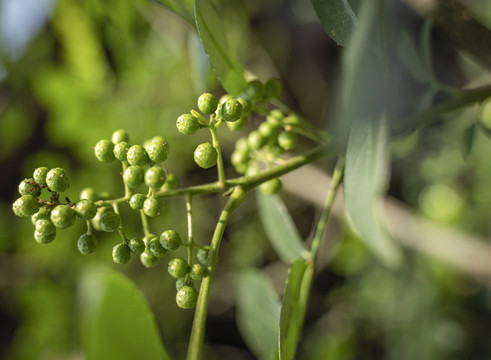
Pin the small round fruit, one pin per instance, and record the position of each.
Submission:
(63, 216)
(136, 245)
(155, 248)
(255, 91)
(152, 206)
(202, 256)
(110, 221)
(155, 177)
(39, 175)
(148, 260)
(86, 244)
(29, 187)
(186, 297)
(137, 155)
(157, 150)
(287, 140)
(88, 194)
(198, 271)
(272, 89)
(25, 206)
(97, 218)
(57, 180)
(133, 176)
(121, 254)
(231, 110)
(103, 151)
(119, 136)
(178, 268)
(41, 214)
(45, 226)
(256, 140)
(292, 119)
(239, 124)
(171, 182)
(240, 160)
(207, 103)
(170, 240)
(121, 150)
(266, 129)
(275, 118)
(86, 209)
(136, 201)
(205, 155)
(44, 239)
(187, 124)
(185, 281)
(271, 186)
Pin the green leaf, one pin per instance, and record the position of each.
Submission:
(222, 58)
(116, 322)
(366, 176)
(337, 17)
(468, 137)
(411, 59)
(183, 8)
(293, 307)
(258, 312)
(280, 228)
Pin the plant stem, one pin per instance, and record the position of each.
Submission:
(146, 226)
(189, 213)
(220, 167)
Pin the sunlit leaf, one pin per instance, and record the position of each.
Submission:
(468, 137)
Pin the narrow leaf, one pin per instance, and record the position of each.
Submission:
(411, 59)
(468, 137)
(337, 17)
(214, 40)
(279, 227)
(116, 322)
(182, 8)
(258, 312)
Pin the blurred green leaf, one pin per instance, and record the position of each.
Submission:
(293, 307)
(468, 137)
(258, 312)
(214, 40)
(116, 322)
(280, 228)
(337, 17)
(411, 59)
(183, 8)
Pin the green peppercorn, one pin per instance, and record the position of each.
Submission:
(239, 158)
(41, 214)
(170, 183)
(239, 124)
(271, 186)
(45, 231)
(255, 91)
(29, 187)
(136, 245)
(133, 176)
(57, 180)
(25, 206)
(136, 201)
(266, 130)
(121, 150)
(241, 144)
(86, 244)
(97, 218)
(272, 89)
(170, 240)
(44, 239)
(137, 155)
(148, 260)
(157, 150)
(63, 216)
(88, 194)
(178, 268)
(186, 297)
(39, 175)
(205, 155)
(103, 151)
(155, 248)
(121, 254)
(207, 103)
(155, 177)
(187, 124)
(198, 271)
(202, 256)
(231, 110)
(86, 209)
(275, 118)
(120, 136)
(256, 140)
(292, 119)
(109, 221)
(185, 281)
(287, 140)
(152, 206)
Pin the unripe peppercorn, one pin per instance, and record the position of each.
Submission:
(136, 245)
(120, 150)
(155, 177)
(121, 254)
(202, 256)
(178, 268)
(271, 186)
(256, 140)
(39, 175)
(136, 201)
(29, 187)
(155, 248)
(185, 281)
(287, 140)
(186, 297)
(103, 151)
(207, 103)
(152, 206)
(197, 272)
(170, 240)
(120, 136)
(25, 206)
(231, 110)
(86, 244)
(266, 130)
(40, 215)
(63, 216)
(137, 155)
(148, 260)
(171, 182)
(237, 125)
(272, 89)
(187, 124)
(44, 239)
(86, 209)
(205, 155)
(133, 176)
(157, 150)
(45, 226)
(109, 221)
(88, 194)
(255, 91)
(57, 180)
(97, 218)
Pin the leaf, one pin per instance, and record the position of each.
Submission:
(411, 59)
(366, 176)
(116, 322)
(337, 17)
(279, 227)
(222, 58)
(484, 129)
(293, 307)
(182, 8)
(468, 137)
(258, 312)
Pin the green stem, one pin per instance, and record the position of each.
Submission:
(189, 213)
(145, 224)
(195, 349)
(220, 167)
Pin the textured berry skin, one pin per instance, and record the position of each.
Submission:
(136, 201)
(63, 216)
(97, 218)
(41, 214)
(231, 110)
(44, 239)
(155, 177)
(148, 260)
(205, 155)
(110, 221)
(133, 176)
(287, 140)
(202, 256)
(155, 248)
(86, 244)
(25, 206)
(256, 140)
(119, 136)
(237, 125)
(272, 89)
(170, 240)
(255, 91)
(178, 268)
(45, 231)
(157, 150)
(271, 186)
(198, 271)
(171, 182)
(121, 254)
(207, 103)
(137, 155)
(152, 206)
(185, 281)
(136, 245)
(120, 150)
(187, 124)
(29, 187)
(186, 297)
(103, 151)
(57, 180)
(85, 209)
(39, 175)
(88, 194)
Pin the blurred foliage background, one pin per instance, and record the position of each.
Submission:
(73, 71)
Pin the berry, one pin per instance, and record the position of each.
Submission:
(137, 155)
(25, 206)
(231, 110)
(86, 209)
(45, 226)
(207, 103)
(255, 91)
(287, 140)
(57, 180)
(178, 268)
(292, 120)
(29, 187)
(155, 177)
(121, 150)
(187, 124)
(157, 150)
(136, 201)
(136, 245)
(39, 175)
(103, 195)
(198, 271)
(170, 183)
(103, 151)
(246, 106)
(97, 218)
(170, 240)
(256, 140)
(155, 248)
(44, 239)
(109, 221)
(242, 144)
(63, 216)
(272, 89)
(202, 256)
(86, 244)
(121, 253)
(205, 155)
(266, 129)
(275, 118)
(148, 260)
(185, 281)
(133, 176)
(152, 206)
(186, 297)
(240, 160)
(120, 136)
(88, 194)
(41, 214)
(237, 125)
(271, 186)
